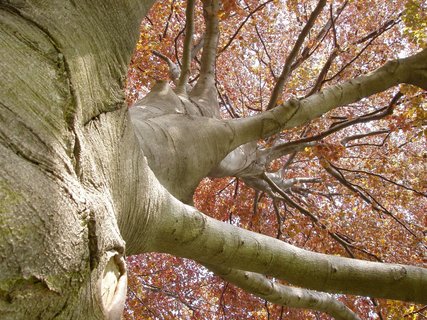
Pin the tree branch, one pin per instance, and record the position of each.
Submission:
(208, 59)
(383, 178)
(372, 36)
(181, 230)
(295, 112)
(287, 68)
(334, 172)
(186, 55)
(343, 240)
(261, 6)
(289, 183)
(175, 42)
(197, 47)
(306, 53)
(322, 75)
(277, 293)
(165, 31)
(282, 149)
(363, 135)
(174, 70)
(266, 52)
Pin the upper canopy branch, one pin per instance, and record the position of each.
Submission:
(287, 68)
(282, 149)
(338, 175)
(344, 241)
(188, 41)
(293, 113)
(261, 6)
(208, 60)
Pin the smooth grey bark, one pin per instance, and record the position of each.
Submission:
(77, 167)
(277, 293)
(191, 234)
(181, 145)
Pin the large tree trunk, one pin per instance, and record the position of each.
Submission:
(68, 157)
(82, 176)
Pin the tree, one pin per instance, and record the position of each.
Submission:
(86, 181)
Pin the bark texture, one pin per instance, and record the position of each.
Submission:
(61, 109)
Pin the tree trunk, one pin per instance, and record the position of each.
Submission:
(67, 155)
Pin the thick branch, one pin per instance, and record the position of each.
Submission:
(277, 293)
(207, 72)
(188, 40)
(182, 230)
(294, 112)
(279, 150)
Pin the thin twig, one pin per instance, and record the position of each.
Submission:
(336, 236)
